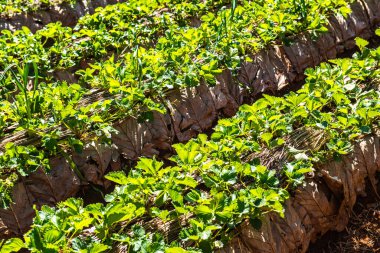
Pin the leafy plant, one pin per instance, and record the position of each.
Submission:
(29, 100)
(213, 184)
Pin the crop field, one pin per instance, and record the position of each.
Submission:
(178, 126)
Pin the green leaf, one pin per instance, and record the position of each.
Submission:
(188, 153)
(149, 166)
(52, 236)
(365, 129)
(12, 245)
(118, 177)
(277, 142)
(193, 196)
(176, 197)
(361, 43)
(96, 119)
(73, 204)
(188, 181)
(98, 248)
(26, 30)
(266, 137)
(83, 223)
(118, 212)
(216, 136)
(175, 250)
(344, 10)
(76, 144)
(204, 212)
(377, 32)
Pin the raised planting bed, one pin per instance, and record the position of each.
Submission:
(290, 166)
(187, 112)
(325, 203)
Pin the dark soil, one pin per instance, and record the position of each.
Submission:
(361, 235)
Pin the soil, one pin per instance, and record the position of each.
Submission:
(361, 235)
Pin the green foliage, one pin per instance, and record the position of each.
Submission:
(164, 51)
(361, 43)
(27, 102)
(377, 32)
(138, 50)
(12, 245)
(213, 184)
(155, 51)
(10, 8)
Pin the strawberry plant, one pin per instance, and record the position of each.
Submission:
(26, 103)
(214, 183)
(137, 52)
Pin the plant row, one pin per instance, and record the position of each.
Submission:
(9, 8)
(123, 27)
(214, 183)
(161, 52)
(155, 49)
